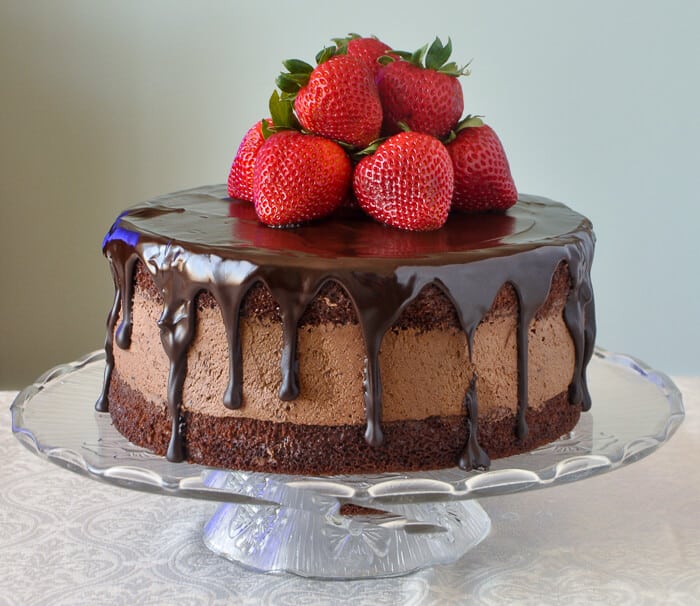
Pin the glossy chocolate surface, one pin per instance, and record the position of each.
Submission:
(201, 240)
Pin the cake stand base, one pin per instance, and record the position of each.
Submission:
(326, 542)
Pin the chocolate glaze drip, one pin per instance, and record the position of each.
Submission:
(293, 291)
(231, 299)
(122, 275)
(177, 325)
(473, 456)
(200, 240)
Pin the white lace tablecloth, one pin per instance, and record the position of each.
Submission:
(627, 537)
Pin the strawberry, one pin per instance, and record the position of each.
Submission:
(298, 178)
(240, 177)
(407, 182)
(482, 174)
(337, 99)
(367, 49)
(426, 97)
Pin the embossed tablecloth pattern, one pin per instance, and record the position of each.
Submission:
(628, 537)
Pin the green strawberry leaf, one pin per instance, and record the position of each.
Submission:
(342, 43)
(267, 130)
(470, 121)
(369, 150)
(300, 79)
(297, 66)
(282, 113)
(326, 53)
(294, 79)
(417, 57)
(287, 84)
(386, 59)
(452, 69)
(348, 147)
(438, 54)
(451, 136)
(433, 57)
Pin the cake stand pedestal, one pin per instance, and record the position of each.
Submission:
(351, 526)
(312, 535)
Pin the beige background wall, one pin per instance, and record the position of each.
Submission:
(103, 104)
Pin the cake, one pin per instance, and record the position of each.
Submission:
(367, 293)
(346, 346)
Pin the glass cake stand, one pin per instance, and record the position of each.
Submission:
(349, 526)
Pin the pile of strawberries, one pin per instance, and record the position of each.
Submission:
(373, 127)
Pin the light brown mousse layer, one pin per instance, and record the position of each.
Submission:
(425, 369)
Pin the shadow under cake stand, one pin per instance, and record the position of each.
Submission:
(350, 526)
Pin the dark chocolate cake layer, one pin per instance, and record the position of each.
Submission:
(251, 444)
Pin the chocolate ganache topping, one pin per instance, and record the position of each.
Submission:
(201, 240)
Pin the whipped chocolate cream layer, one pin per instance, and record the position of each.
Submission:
(200, 240)
(424, 360)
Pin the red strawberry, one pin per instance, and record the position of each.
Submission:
(337, 99)
(366, 49)
(407, 183)
(240, 178)
(482, 174)
(298, 178)
(426, 98)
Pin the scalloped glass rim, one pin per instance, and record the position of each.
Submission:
(635, 410)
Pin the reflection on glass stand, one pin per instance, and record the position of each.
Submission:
(349, 526)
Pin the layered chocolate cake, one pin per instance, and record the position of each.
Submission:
(346, 346)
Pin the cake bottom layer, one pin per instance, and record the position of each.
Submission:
(268, 446)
